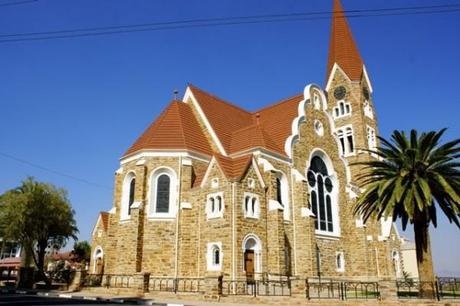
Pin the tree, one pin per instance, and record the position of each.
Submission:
(38, 216)
(82, 250)
(412, 178)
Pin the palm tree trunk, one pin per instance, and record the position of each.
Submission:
(424, 260)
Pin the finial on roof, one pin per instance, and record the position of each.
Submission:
(258, 118)
(342, 48)
(175, 93)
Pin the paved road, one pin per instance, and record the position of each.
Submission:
(32, 300)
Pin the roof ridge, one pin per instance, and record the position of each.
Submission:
(181, 115)
(275, 104)
(220, 99)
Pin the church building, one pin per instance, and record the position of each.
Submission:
(212, 189)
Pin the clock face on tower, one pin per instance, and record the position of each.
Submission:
(339, 92)
(366, 93)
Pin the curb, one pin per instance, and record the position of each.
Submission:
(90, 298)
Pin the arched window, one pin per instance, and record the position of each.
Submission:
(345, 135)
(322, 195)
(162, 200)
(127, 196)
(251, 205)
(132, 188)
(282, 193)
(342, 109)
(214, 256)
(215, 205)
(163, 193)
(339, 262)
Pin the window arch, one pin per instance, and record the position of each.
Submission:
(128, 195)
(323, 187)
(282, 193)
(347, 145)
(251, 206)
(342, 109)
(215, 205)
(163, 193)
(214, 256)
(340, 262)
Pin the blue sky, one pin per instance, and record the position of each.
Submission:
(75, 105)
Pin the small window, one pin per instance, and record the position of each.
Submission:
(371, 141)
(368, 110)
(214, 256)
(345, 135)
(251, 183)
(279, 197)
(215, 205)
(215, 183)
(251, 205)
(340, 262)
(342, 109)
(132, 188)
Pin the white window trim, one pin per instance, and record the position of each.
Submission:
(335, 234)
(342, 262)
(343, 129)
(337, 107)
(251, 183)
(215, 183)
(153, 215)
(368, 110)
(124, 202)
(210, 256)
(214, 215)
(372, 143)
(284, 195)
(256, 213)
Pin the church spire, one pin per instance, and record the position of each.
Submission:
(342, 48)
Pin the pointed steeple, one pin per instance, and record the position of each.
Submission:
(342, 47)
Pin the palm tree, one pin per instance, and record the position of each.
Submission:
(411, 179)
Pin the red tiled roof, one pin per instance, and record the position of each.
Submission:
(234, 168)
(224, 117)
(342, 48)
(176, 128)
(276, 120)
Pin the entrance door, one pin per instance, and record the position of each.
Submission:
(99, 266)
(249, 265)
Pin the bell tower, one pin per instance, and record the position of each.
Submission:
(349, 92)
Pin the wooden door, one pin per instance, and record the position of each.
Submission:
(249, 264)
(99, 266)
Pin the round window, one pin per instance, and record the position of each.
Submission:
(339, 92)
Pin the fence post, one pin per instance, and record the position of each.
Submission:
(141, 281)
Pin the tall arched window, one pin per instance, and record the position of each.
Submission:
(322, 195)
(163, 193)
(132, 188)
(282, 193)
(162, 200)
(127, 195)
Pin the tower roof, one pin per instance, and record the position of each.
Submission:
(342, 47)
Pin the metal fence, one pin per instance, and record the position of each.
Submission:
(264, 287)
(448, 288)
(441, 288)
(176, 284)
(316, 288)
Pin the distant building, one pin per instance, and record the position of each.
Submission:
(213, 189)
(409, 257)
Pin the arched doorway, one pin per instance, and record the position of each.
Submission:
(98, 261)
(252, 251)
